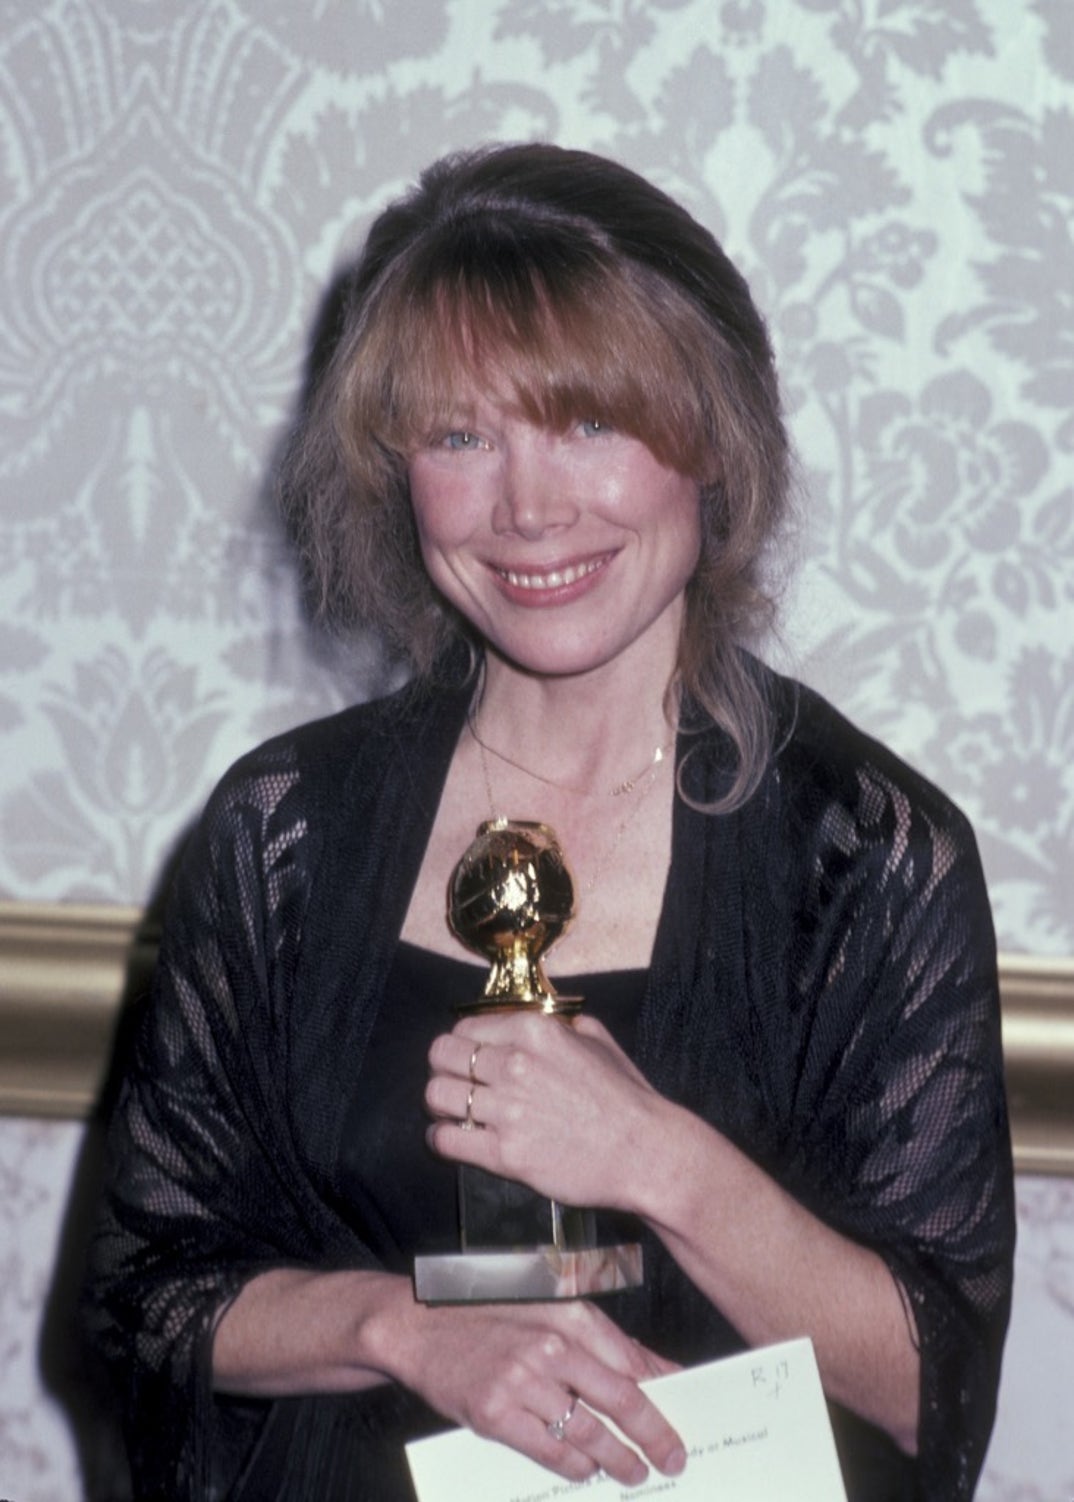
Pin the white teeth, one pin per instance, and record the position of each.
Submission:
(553, 580)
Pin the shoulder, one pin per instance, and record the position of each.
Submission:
(839, 820)
(876, 873)
(825, 766)
(328, 753)
(305, 781)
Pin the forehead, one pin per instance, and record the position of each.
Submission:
(553, 354)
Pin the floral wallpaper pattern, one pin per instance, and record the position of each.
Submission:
(177, 186)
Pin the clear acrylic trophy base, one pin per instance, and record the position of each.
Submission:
(515, 1244)
(540, 1272)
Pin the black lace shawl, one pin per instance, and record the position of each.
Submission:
(822, 989)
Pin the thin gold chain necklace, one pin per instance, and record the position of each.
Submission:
(647, 778)
(627, 785)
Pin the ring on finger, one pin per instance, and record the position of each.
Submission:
(473, 1063)
(558, 1427)
(468, 1123)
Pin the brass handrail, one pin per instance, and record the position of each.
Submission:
(65, 969)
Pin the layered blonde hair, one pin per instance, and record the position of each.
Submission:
(580, 290)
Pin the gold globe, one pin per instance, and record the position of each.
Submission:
(509, 899)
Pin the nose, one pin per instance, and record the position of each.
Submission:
(536, 496)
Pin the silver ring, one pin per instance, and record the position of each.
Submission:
(558, 1427)
(468, 1123)
(473, 1063)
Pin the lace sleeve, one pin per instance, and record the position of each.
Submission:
(202, 1184)
(902, 955)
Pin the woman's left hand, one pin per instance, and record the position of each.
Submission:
(554, 1105)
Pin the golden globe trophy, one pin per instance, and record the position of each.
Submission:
(509, 899)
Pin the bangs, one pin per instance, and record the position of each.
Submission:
(556, 330)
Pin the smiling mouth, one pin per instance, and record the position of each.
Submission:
(556, 578)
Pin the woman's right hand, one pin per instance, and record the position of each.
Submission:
(509, 1371)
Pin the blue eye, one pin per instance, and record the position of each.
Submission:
(593, 427)
(461, 440)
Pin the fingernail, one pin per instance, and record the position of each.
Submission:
(675, 1462)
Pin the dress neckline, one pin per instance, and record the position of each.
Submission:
(421, 954)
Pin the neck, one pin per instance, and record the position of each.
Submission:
(584, 733)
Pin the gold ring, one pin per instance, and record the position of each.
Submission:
(473, 1063)
(468, 1123)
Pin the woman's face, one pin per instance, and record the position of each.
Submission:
(564, 550)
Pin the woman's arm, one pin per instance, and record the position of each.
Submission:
(607, 1138)
(506, 1371)
(888, 1112)
(292, 1331)
(776, 1271)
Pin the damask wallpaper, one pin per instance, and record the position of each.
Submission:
(178, 183)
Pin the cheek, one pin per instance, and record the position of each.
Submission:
(452, 502)
(682, 519)
(437, 554)
(444, 522)
(439, 512)
(422, 499)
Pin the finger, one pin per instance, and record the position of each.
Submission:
(449, 1054)
(587, 1447)
(655, 1364)
(562, 1457)
(524, 1425)
(524, 1027)
(607, 1393)
(590, 1326)
(575, 1442)
(627, 1355)
(460, 1143)
(462, 1054)
(588, 1434)
(605, 1367)
(451, 1099)
(471, 1068)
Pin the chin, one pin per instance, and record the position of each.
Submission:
(550, 663)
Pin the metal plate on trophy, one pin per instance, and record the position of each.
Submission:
(510, 897)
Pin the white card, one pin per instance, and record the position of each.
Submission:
(755, 1426)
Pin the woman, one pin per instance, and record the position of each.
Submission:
(546, 459)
